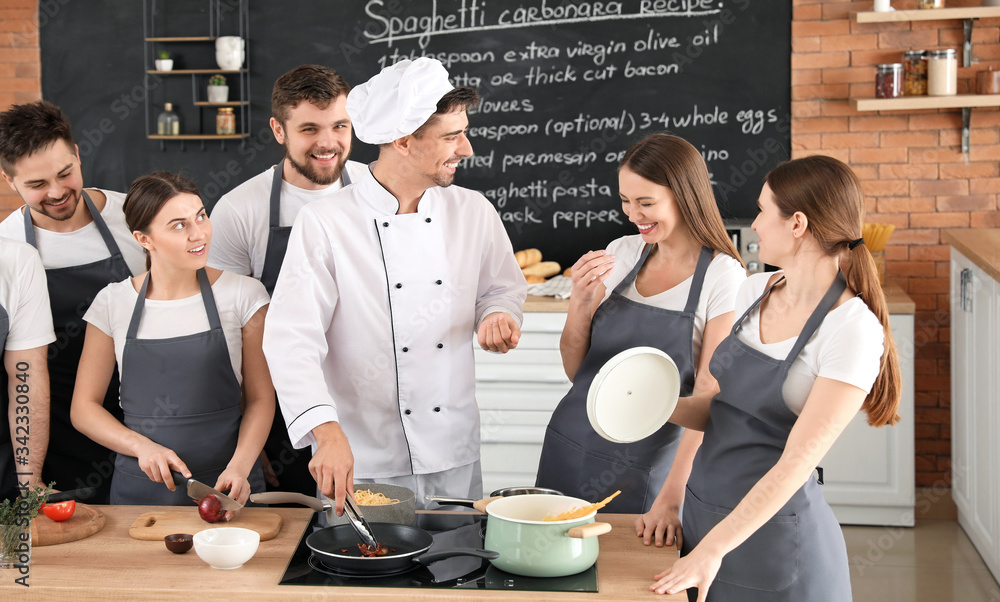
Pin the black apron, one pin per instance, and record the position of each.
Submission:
(8, 478)
(800, 553)
(74, 460)
(180, 392)
(290, 465)
(575, 459)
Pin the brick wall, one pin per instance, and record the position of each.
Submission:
(20, 69)
(913, 170)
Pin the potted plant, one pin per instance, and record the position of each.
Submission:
(163, 61)
(218, 91)
(15, 526)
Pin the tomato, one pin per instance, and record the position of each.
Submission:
(60, 511)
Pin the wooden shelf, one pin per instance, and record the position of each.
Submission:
(233, 103)
(194, 71)
(929, 14)
(912, 103)
(189, 39)
(198, 137)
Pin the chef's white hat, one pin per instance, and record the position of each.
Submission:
(398, 100)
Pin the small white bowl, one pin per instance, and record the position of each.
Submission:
(226, 547)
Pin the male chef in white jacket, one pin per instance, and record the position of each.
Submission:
(367, 336)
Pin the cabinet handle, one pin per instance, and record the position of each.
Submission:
(961, 289)
(966, 290)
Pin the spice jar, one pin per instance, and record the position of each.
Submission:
(225, 122)
(988, 82)
(889, 80)
(930, 3)
(942, 72)
(914, 73)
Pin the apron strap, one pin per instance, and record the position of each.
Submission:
(276, 194)
(345, 178)
(738, 323)
(102, 228)
(206, 296)
(628, 279)
(825, 304)
(698, 280)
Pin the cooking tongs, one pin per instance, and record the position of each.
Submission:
(359, 523)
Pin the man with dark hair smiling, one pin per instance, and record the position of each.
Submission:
(85, 245)
(252, 222)
(368, 333)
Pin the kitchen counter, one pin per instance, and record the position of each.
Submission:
(982, 247)
(112, 565)
(895, 297)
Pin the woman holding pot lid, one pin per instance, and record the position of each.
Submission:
(810, 348)
(184, 336)
(672, 287)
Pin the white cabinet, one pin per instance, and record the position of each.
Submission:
(975, 418)
(869, 472)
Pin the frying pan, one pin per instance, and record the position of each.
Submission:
(337, 548)
(505, 492)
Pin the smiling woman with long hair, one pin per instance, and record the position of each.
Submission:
(195, 388)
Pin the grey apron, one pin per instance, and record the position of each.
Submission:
(578, 461)
(800, 553)
(290, 465)
(73, 459)
(181, 393)
(8, 480)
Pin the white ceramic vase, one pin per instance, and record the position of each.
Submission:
(229, 52)
(218, 93)
(164, 64)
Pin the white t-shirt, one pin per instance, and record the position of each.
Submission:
(718, 293)
(24, 295)
(241, 219)
(83, 246)
(236, 297)
(846, 347)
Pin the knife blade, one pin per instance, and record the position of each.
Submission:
(197, 490)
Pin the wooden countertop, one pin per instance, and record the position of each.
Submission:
(112, 565)
(982, 247)
(896, 298)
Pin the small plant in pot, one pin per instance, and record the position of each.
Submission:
(218, 91)
(15, 525)
(163, 61)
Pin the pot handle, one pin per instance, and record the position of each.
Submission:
(483, 503)
(589, 530)
(430, 557)
(285, 497)
(451, 501)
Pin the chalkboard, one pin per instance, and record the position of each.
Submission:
(567, 87)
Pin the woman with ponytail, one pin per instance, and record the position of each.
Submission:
(810, 347)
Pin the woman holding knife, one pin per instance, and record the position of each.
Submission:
(185, 336)
(811, 346)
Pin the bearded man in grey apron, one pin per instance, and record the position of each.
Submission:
(575, 458)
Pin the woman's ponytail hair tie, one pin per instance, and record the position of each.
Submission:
(855, 243)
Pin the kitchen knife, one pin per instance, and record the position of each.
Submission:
(80, 495)
(197, 490)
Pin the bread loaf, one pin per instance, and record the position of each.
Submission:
(543, 269)
(568, 272)
(528, 257)
(532, 279)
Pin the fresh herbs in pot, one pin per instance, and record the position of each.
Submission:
(20, 512)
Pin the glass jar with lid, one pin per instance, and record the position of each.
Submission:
(225, 122)
(889, 80)
(914, 73)
(942, 72)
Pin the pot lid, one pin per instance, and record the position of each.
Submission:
(633, 394)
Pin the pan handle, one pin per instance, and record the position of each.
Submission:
(285, 497)
(431, 557)
(589, 530)
(451, 501)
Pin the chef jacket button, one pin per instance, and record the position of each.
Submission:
(437, 282)
(405, 349)
(385, 224)
(407, 412)
(440, 345)
(437, 409)
(428, 220)
(399, 285)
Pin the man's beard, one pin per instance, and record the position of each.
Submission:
(313, 175)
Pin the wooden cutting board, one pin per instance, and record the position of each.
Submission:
(154, 526)
(86, 521)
